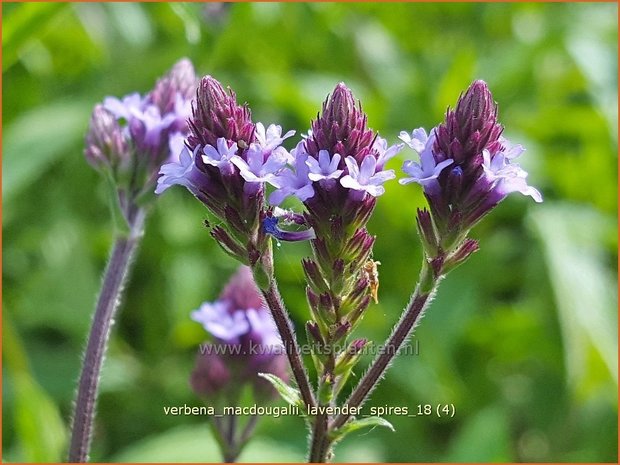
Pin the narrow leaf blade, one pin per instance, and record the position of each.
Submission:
(288, 393)
(368, 422)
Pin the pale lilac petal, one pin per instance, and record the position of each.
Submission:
(275, 161)
(176, 144)
(388, 153)
(324, 167)
(381, 177)
(333, 165)
(367, 169)
(375, 190)
(262, 323)
(440, 166)
(352, 167)
(417, 140)
(306, 192)
(222, 324)
(125, 107)
(255, 160)
(350, 183)
(278, 196)
(507, 177)
(176, 173)
(508, 185)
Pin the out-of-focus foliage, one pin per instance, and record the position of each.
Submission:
(522, 339)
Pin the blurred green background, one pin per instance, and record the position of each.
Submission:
(522, 339)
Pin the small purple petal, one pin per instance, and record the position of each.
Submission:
(324, 168)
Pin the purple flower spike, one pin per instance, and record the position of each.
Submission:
(246, 341)
(364, 178)
(160, 115)
(172, 93)
(341, 127)
(289, 182)
(150, 129)
(428, 170)
(481, 170)
(470, 127)
(324, 167)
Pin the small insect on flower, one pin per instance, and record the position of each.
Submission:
(372, 274)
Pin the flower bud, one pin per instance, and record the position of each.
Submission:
(216, 114)
(341, 128)
(210, 375)
(106, 146)
(180, 82)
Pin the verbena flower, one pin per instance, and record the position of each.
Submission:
(293, 181)
(337, 172)
(131, 137)
(225, 164)
(270, 138)
(246, 341)
(221, 156)
(428, 170)
(466, 167)
(365, 178)
(258, 167)
(324, 166)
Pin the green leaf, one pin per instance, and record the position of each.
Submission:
(288, 393)
(25, 23)
(483, 437)
(572, 238)
(38, 423)
(359, 424)
(35, 140)
(195, 444)
(190, 21)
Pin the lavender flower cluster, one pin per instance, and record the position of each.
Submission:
(241, 171)
(466, 167)
(245, 343)
(131, 137)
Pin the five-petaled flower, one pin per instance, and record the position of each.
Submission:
(366, 178)
(428, 170)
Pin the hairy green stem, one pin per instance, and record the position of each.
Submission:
(402, 330)
(103, 319)
(291, 347)
(400, 334)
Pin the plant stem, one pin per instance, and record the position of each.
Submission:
(285, 328)
(250, 426)
(401, 332)
(320, 444)
(107, 305)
